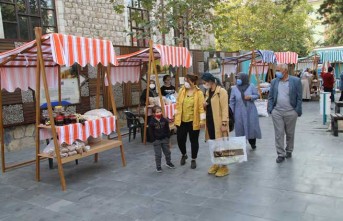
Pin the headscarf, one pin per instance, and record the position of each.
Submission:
(209, 77)
(245, 84)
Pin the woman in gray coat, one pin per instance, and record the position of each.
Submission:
(242, 104)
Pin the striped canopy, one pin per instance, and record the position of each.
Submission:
(18, 66)
(59, 49)
(168, 55)
(331, 54)
(264, 55)
(130, 64)
(286, 57)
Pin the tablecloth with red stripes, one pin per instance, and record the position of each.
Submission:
(91, 128)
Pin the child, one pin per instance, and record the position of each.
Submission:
(160, 133)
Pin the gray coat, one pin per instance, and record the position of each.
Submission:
(295, 94)
(246, 116)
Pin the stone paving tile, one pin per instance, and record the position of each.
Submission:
(307, 187)
(166, 216)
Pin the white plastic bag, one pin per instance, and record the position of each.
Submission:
(262, 106)
(50, 148)
(226, 151)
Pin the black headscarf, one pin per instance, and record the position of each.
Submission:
(209, 77)
(245, 84)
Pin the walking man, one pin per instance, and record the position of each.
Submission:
(285, 106)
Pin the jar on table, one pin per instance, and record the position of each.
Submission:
(67, 119)
(59, 120)
(73, 118)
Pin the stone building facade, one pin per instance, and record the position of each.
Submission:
(94, 19)
(87, 18)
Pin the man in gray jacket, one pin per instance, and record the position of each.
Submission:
(285, 106)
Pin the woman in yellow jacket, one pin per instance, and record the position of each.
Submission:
(189, 115)
(217, 116)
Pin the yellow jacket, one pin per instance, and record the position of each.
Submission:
(199, 113)
(220, 110)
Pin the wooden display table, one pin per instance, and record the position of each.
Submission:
(334, 123)
(72, 132)
(338, 106)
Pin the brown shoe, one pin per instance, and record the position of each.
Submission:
(223, 171)
(213, 169)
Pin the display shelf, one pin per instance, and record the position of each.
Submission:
(95, 148)
(42, 126)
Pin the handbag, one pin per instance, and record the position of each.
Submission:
(227, 150)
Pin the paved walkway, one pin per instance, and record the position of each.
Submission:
(307, 187)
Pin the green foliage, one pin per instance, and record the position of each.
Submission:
(332, 13)
(263, 24)
(193, 18)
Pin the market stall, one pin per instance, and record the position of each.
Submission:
(261, 61)
(168, 56)
(53, 51)
(310, 82)
(289, 58)
(331, 56)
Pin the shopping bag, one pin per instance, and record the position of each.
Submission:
(226, 150)
(262, 106)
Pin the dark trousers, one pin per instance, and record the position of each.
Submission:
(341, 97)
(182, 131)
(332, 97)
(252, 142)
(159, 146)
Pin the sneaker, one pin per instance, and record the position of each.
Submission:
(170, 165)
(159, 169)
(289, 155)
(222, 171)
(193, 164)
(213, 169)
(280, 159)
(183, 160)
(253, 147)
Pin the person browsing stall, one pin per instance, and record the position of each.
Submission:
(329, 82)
(152, 92)
(167, 88)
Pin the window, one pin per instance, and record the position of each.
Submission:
(138, 15)
(18, 18)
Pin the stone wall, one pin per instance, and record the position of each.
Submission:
(91, 18)
(20, 137)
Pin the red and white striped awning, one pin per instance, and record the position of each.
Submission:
(58, 49)
(168, 55)
(129, 65)
(17, 77)
(286, 57)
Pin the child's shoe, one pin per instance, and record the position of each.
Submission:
(159, 169)
(170, 165)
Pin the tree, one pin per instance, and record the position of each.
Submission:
(263, 24)
(190, 19)
(332, 13)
